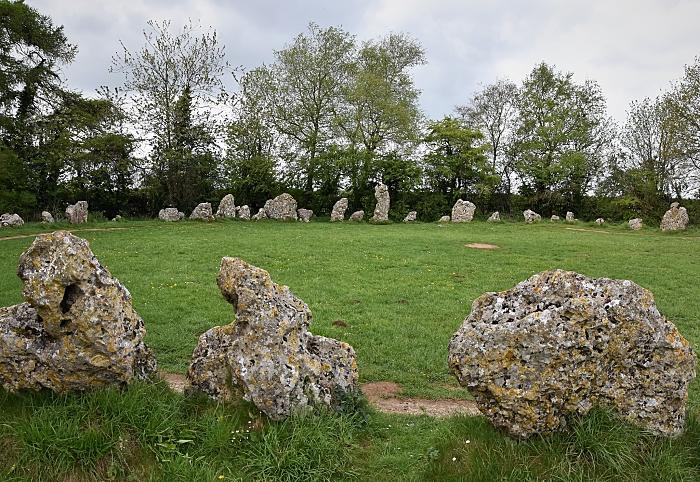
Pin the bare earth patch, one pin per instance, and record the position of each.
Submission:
(177, 381)
(481, 246)
(584, 230)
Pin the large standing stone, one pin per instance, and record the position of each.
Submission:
(410, 217)
(283, 208)
(561, 343)
(444, 219)
(227, 207)
(77, 213)
(532, 217)
(10, 220)
(570, 217)
(261, 214)
(170, 214)
(381, 210)
(267, 354)
(463, 211)
(635, 224)
(339, 208)
(78, 329)
(494, 218)
(357, 216)
(244, 212)
(675, 219)
(202, 211)
(46, 217)
(304, 214)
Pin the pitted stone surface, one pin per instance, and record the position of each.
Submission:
(170, 214)
(304, 214)
(532, 217)
(261, 214)
(203, 212)
(410, 217)
(463, 211)
(675, 219)
(244, 212)
(357, 216)
(444, 219)
(570, 218)
(227, 207)
(8, 220)
(267, 354)
(635, 224)
(381, 210)
(46, 217)
(77, 213)
(560, 343)
(282, 208)
(77, 330)
(494, 218)
(339, 208)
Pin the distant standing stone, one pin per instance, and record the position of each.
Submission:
(444, 219)
(531, 216)
(675, 219)
(600, 221)
(410, 217)
(494, 218)
(339, 208)
(381, 210)
(554, 218)
(46, 217)
(463, 211)
(170, 214)
(10, 220)
(202, 211)
(77, 213)
(244, 213)
(304, 215)
(282, 208)
(117, 218)
(227, 207)
(357, 216)
(570, 217)
(635, 224)
(261, 214)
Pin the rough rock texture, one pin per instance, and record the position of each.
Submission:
(554, 218)
(561, 343)
(227, 207)
(339, 208)
(244, 212)
(117, 218)
(77, 213)
(10, 220)
(282, 208)
(267, 354)
(532, 217)
(635, 224)
(304, 214)
(570, 217)
(463, 211)
(170, 214)
(410, 217)
(675, 219)
(381, 210)
(357, 216)
(78, 329)
(600, 221)
(494, 218)
(202, 211)
(261, 214)
(444, 219)
(46, 217)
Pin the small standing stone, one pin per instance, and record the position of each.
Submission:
(494, 218)
(599, 221)
(570, 217)
(244, 212)
(675, 219)
(77, 213)
(170, 214)
(635, 224)
(261, 214)
(381, 210)
(444, 219)
(46, 217)
(339, 208)
(531, 216)
(10, 220)
(463, 211)
(410, 217)
(554, 218)
(227, 207)
(304, 214)
(282, 208)
(357, 216)
(202, 211)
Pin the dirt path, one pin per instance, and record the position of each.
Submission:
(382, 396)
(21, 236)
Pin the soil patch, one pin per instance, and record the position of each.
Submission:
(481, 246)
(177, 381)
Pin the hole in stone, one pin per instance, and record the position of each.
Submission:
(70, 296)
(65, 323)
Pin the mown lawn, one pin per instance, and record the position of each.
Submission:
(402, 290)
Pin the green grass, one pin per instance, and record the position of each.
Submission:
(402, 290)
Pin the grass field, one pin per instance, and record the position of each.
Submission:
(402, 290)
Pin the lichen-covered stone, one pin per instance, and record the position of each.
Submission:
(410, 217)
(339, 208)
(203, 212)
(77, 213)
(170, 214)
(227, 207)
(635, 224)
(381, 209)
(46, 217)
(243, 212)
(304, 215)
(675, 219)
(600, 221)
(494, 218)
(463, 211)
(282, 208)
(267, 354)
(261, 214)
(444, 219)
(570, 217)
(77, 330)
(532, 217)
(8, 220)
(560, 343)
(357, 216)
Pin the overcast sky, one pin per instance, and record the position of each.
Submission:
(632, 48)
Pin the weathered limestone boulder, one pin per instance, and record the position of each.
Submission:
(381, 210)
(635, 224)
(410, 217)
(117, 218)
(227, 207)
(46, 217)
(560, 343)
(339, 208)
(357, 216)
(554, 218)
(268, 355)
(675, 219)
(570, 217)
(304, 214)
(202, 211)
(532, 217)
(283, 208)
(244, 212)
(444, 219)
(10, 220)
(494, 218)
(261, 214)
(600, 221)
(77, 213)
(463, 211)
(77, 330)
(170, 214)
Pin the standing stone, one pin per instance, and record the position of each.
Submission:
(46, 217)
(532, 217)
(635, 224)
(339, 208)
(77, 330)
(10, 220)
(561, 343)
(304, 214)
(283, 208)
(261, 214)
(227, 207)
(599, 221)
(77, 213)
(554, 218)
(117, 218)
(675, 219)
(170, 214)
(381, 210)
(494, 218)
(444, 219)
(410, 217)
(570, 217)
(244, 212)
(357, 216)
(268, 354)
(202, 211)
(463, 211)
